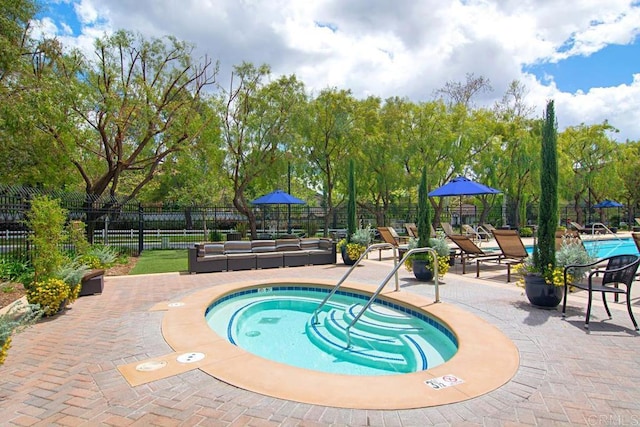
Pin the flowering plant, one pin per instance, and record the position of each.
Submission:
(357, 244)
(570, 253)
(50, 294)
(441, 247)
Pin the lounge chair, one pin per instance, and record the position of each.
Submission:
(470, 251)
(636, 239)
(447, 228)
(487, 227)
(619, 270)
(512, 249)
(579, 227)
(389, 235)
(480, 235)
(412, 229)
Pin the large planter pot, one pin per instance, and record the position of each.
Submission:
(422, 270)
(345, 256)
(541, 294)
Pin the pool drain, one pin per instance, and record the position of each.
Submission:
(190, 357)
(151, 366)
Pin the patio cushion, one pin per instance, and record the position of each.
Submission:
(237, 247)
(287, 245)
(260, 246)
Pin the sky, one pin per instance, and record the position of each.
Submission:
(584, 54)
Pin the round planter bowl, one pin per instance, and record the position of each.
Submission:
(421, 271)
(540, 294)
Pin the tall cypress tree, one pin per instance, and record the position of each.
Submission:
(545, 252)
(351, 201)
(424, 214)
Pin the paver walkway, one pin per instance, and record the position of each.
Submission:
(63, 370)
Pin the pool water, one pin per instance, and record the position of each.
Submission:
(606, 248)
(276, 323)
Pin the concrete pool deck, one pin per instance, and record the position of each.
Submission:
(64, 370)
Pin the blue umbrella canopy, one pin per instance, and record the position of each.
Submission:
(278, 197)
(608, 204)
(462, 186)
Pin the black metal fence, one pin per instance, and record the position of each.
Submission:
(133, 227)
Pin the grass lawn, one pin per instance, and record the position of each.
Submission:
(161, 261)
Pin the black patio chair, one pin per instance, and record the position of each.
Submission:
(619, 270)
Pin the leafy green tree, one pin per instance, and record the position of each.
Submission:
(118, 115)
(257, 123)
(589, 153)
(326, 141)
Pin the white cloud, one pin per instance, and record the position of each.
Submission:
(404, 48)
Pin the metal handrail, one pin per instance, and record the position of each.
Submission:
(599, 224)
(314, 318)
(434, 254)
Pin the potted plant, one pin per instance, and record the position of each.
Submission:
(421, 264)
(356, 241)
(355, 246)
(541, 274)
(570, 253)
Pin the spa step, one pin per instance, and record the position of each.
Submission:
(375, 320)
(356, 353)
(336, 325)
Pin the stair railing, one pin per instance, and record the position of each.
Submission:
(370, 248)
(600, 225)
(434, 256)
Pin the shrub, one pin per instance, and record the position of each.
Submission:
(215, 236)
(526, 232)
(72, 274)
(99, 257)
(15, 320)
(49, 294)
(46, 220)
(16, 269)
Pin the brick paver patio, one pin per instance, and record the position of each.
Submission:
(63, 371)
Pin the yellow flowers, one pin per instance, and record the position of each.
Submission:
(4, 350)
(49, 294)
(354, 250)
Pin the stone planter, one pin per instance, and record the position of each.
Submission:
(541, 294)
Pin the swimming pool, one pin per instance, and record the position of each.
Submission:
(277, 323)
(603, 248)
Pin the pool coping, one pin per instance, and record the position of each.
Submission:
(486, 358)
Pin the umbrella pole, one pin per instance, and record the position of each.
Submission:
(460, 215)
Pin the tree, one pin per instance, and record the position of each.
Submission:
(326, 132)
(458, 93)
(424, 213)
(257, 128)
(120, 114)
(351, 202)
(545, 249)
(588, 155)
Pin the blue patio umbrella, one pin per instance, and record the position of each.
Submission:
(279, 197)
(607, 204)
(462, 186)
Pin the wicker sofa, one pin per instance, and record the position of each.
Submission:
(255, 254)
